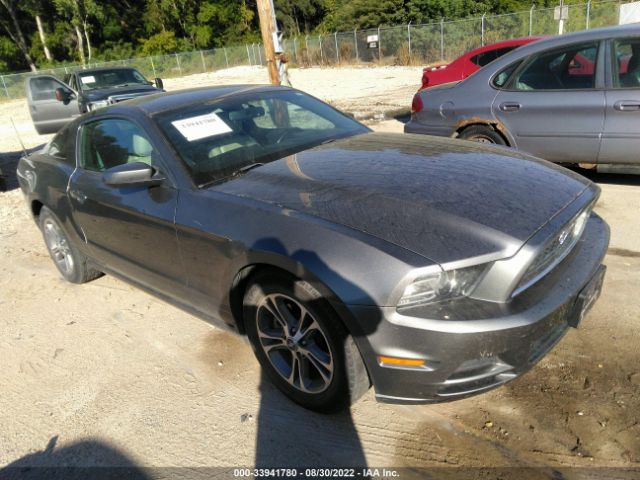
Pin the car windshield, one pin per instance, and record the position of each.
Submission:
(224, 138)
(120, 77)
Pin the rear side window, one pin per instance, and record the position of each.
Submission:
(501, 79)
(62, 146)
(485, 58)
(111, 142)
(626, 63)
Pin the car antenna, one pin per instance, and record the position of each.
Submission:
(24, 150)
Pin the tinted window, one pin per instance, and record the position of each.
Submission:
(501, 79)
(214, 141)
(569, 68)
(62, 146)
(44, 88)
(483, 59)
(626, 63)
(112, 142)
(121, 77)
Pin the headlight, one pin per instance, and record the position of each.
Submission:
(98, 104)
(439, 286)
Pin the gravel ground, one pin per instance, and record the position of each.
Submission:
(103, 374)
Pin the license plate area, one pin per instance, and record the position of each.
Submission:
(587, 297)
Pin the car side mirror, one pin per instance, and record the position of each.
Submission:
(135, 174)
(158, 82)
(63, 95)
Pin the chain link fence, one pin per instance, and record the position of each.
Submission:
(409, 44)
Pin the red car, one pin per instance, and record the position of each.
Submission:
(470, 62)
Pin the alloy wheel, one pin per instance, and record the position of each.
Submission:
(294, 343)
(58, 246)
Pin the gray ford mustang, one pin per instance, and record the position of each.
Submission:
(431, 268)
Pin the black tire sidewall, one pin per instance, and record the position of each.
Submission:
(336, 396)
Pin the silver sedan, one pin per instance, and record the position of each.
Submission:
(568, 99)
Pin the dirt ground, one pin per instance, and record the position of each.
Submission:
(103, 374)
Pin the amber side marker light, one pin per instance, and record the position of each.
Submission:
(399, 362)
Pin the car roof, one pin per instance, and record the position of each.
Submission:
(502, 44)
(166, 101)
(582, 35)
(103, 69)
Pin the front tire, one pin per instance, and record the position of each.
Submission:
(301, 344)
(72, 264)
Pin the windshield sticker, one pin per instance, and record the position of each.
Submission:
(202, 126)
(88, 79)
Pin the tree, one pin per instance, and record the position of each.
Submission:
(12, 26)
(80, 11)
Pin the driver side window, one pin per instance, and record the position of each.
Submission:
(112, 142)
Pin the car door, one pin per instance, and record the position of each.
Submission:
(553, 106)
(128, 230)
(621, 134)
(49, 114)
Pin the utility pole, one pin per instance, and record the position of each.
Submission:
(267, 17)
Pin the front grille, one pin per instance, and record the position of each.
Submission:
(554, 251)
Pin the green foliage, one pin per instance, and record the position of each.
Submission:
(10, 56)
(160, 43)
(127, 28)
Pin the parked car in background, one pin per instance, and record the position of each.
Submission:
(52, 103)
(430, 268)
(568, 99)
(470, 62)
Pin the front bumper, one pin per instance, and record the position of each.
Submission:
(467, 357)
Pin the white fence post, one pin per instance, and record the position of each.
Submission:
(153, 67)
(204, 65)
(335, 38)
(5, 86)
(178, 62)
(442, 39)
(482, 28)
(379, 45)
(355, 42)
(531, 20)
(226, 59)
(588, 13)
(320, 43)
(260, 53)
(306, 45)
(248, 54)
(409, 39)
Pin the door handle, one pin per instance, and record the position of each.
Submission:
(77, 195)
(627, 106)
(510, 106)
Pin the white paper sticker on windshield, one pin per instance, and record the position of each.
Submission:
(202, 126)
(88, 79)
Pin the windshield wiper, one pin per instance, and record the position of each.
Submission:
(246, 168)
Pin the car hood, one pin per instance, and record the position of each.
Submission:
(105, 93)
(445, 199)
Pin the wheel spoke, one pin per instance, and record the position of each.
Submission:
(324, 368)
(270, 306)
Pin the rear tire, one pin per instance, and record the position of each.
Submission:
(72, 264)
(482, 134)
(301, 344)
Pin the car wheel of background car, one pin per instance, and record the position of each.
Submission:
(482, 134)
(72, 264)
(301, 344)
